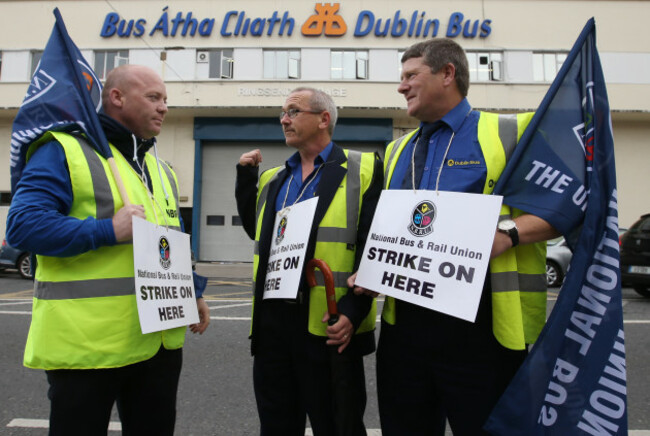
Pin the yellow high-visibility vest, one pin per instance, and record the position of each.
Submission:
(337, 232)
(85, 313)
(518, 276)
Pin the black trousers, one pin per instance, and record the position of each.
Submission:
(145, 392)
(292, 376)
(431, 366)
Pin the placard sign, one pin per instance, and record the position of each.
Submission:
(164, 286)
(288, 247)
(431, 249)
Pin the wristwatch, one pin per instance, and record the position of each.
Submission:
(509, 227)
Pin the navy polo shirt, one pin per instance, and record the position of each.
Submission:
(295, 185)
(463, 168)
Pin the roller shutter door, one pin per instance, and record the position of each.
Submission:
(222, 236)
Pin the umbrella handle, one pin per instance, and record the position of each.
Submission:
(330, 292)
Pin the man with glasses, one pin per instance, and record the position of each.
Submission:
(290, 336)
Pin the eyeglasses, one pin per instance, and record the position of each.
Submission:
(293, 112)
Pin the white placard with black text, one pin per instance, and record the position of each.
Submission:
(164, 286)
(288, 248)
(431, 249)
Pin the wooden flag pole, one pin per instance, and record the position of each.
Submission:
(118, 181)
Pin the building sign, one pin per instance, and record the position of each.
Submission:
(284, 92)
(328, 20)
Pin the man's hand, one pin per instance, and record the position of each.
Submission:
(358, 290)
(251, 158)
(122, 221)
(340, 333)
(204, 317)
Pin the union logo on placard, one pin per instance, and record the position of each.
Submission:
(422, 219)
(163, 250)
(282, 228)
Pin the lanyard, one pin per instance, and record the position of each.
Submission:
(444, 157)
(285, 209)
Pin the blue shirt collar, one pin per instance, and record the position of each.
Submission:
(293, 163)
(455, 117)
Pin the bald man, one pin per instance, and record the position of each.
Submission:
(85, 331)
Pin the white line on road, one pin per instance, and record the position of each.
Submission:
(117, 426)
(248, 318)
(15, 303)
(232, 318)
(44, 423)
(230, 305)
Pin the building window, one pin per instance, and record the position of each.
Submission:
(349, 65)
(106, 60)
(281, 64)
(220, 62)
(546, 66)
(485, 66)
(215, 220)
(400, 53)
(36, 58)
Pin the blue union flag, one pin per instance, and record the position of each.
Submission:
(574, 380)
(64, 95)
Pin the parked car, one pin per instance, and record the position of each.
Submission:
(635, 256)
(558, 257)
(13, 258)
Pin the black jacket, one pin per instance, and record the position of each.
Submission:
(354, 307)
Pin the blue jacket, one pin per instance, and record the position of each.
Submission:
(38, 219)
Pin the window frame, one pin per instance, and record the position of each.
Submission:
(353, 64)
(493, 66)
(546, 65)
(281, 64)
(119, 57)
(221, 63)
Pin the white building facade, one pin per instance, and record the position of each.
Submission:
(228, 67)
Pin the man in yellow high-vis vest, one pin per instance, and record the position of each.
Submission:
(432, 367)
(85, 331)
(289, 335)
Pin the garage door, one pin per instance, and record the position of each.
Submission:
(222, 238)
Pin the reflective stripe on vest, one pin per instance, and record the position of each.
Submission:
(347, 234)
(84, 312)
(172, 178)
(101, 187)
(517, 278)
(79, 288)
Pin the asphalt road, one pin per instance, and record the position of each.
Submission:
(216, 393)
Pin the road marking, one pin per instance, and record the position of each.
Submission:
(117, 426)
(231, 318)
(248, 293)
(231, 305)
(10, 302)
(15, 303)
(27, 293)
(229, 283)
(44, 423)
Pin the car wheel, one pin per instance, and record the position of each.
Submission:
(643, 291)
(553, 274)
(24, 266)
